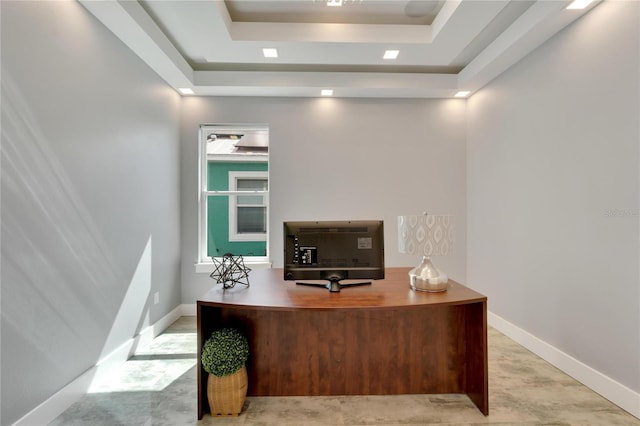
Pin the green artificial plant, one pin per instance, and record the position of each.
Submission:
(225, 352)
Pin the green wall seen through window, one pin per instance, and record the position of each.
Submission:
(218, 242)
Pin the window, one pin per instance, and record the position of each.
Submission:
(234, 192)
(248, 213)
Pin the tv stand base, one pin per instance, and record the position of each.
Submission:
(334, 286)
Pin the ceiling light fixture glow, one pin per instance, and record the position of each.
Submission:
(334, 3)
(270, 52)
(462, 94)
(326, 92)
(186, 91)
(390, 54)
(579, 4)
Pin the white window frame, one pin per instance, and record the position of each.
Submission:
(234, 176)
(204, 263)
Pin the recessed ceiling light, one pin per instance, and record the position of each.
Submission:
(326, 92)
(462, 94)
(334, 2)
(186, 91)
(270, 52)
(579, 4)
(390, 54)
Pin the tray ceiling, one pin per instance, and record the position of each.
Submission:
(214, 47)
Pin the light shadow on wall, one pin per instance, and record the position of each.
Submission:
(58, 276)
(61, 283)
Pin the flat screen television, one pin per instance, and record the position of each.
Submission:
(334, 251)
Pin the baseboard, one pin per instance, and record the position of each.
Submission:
(189, 310)
(56, 404)
(619, 394)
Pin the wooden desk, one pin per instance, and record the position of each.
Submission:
(381, 339)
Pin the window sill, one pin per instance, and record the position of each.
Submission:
(208, 267)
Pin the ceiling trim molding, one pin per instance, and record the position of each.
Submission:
(131, 23)
(309, 84)
(325, 79)
(330, 33)
(223, 16)
(463, 25)
(443, 16)
(539, 23)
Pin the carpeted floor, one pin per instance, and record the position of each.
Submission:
(158, 387)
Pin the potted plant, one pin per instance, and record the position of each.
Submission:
(223, 356)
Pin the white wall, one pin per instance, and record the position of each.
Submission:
(91, 132)
(90, 202)
(340, 159)
(553, 192)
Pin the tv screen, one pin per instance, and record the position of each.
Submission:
(334, 251)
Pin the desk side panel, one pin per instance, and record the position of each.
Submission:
(477, 371)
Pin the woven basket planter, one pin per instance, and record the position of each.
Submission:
(226, 394)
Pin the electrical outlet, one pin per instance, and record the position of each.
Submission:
(156, 298)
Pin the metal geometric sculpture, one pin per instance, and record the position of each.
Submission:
(230, 270)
